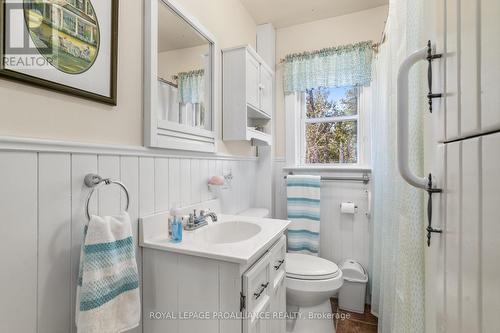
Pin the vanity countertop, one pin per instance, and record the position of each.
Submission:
(209, 241)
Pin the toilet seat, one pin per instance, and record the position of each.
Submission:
(307, 267)
(311, 280)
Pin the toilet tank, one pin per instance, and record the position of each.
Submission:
(255, 212)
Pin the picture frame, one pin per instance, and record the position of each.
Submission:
(68, 46)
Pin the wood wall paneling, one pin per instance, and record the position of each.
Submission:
(490, 233)
(54, 240)
(470, 243)
(19, 230)
(81, 165)
(43, 199)
(469, 68)
(129, 175)
(342, 236)
(161, 188)
(490, 66)
(452, 234)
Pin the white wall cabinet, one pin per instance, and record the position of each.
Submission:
(248, 95)
(266, 90)
(252, 81)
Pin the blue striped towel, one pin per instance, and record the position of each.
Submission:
(303, 202)
(107, 296)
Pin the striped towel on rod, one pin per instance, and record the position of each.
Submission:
(107, 296)
(303, 204)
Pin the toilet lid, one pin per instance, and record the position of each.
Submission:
(306, 267)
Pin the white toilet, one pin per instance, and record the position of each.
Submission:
(310, 282)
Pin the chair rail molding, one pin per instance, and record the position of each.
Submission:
(8, 143)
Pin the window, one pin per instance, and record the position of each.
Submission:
(330, 126)
(69, 21)
(80, 4)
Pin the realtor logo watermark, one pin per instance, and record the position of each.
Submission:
(20, 51)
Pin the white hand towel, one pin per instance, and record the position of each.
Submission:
(108, 299)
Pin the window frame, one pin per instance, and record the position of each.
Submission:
(295, 122)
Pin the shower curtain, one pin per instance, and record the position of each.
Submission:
(398, 217)
(168, 103)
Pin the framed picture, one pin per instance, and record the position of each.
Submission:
(65, 45)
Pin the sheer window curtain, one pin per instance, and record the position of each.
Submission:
(191, 96)
(398, 216)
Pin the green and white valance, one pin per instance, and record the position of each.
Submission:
(346, 65)
(191, 86)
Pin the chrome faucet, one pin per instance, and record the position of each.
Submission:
(212, 215)
(196, 222)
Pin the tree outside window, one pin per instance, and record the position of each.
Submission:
(331, 126)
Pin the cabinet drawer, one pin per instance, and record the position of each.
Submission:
(277, 261)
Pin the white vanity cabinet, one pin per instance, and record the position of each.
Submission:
(178, 289)
(248, 95)
(263, 292)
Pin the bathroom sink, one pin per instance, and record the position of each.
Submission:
(233, 238)
(227, 232)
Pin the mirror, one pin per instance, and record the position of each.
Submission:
(184, 59)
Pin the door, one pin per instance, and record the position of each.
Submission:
(253, 81)
(257, 295)
(462, 267)
(463, 287)
(470, 30)
(462, 290)
(266, 90)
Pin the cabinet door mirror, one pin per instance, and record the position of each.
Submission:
(184, 69)
(179, 80)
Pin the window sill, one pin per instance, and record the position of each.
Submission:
(331, 168)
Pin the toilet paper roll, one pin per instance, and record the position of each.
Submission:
(347, 208)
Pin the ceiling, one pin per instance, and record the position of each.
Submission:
(284, 13)
(174, 33)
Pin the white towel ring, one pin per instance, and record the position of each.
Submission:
(93, 181)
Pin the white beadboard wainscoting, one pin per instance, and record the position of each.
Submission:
(42, 198)
(341, 236)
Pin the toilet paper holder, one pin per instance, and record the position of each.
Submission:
(351, 208)
(355, 206)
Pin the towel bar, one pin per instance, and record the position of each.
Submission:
(365, 178)
(93, 181)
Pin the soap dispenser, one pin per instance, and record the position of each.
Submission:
(176, 226)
